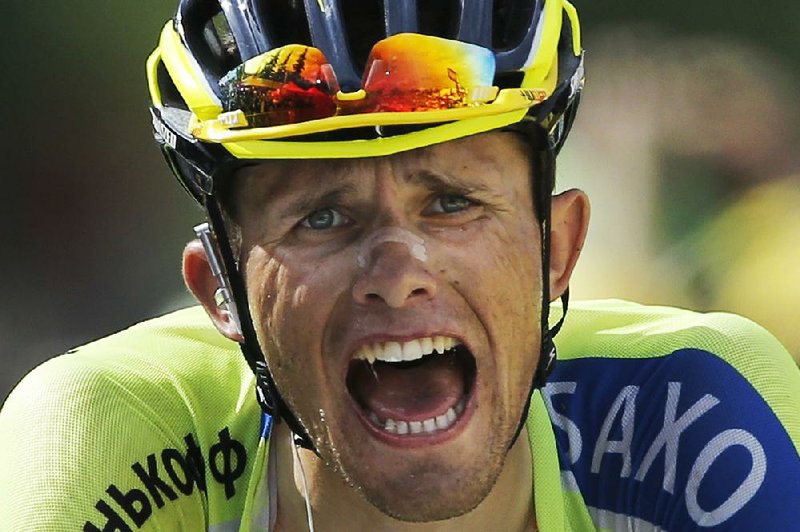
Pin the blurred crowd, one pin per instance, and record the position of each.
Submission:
(690, 148)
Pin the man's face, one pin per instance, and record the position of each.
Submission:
(347, 261)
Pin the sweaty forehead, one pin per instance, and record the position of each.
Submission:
(487, 155)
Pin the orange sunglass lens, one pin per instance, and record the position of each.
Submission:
(287, 85)
(405, 72)
(412, 72)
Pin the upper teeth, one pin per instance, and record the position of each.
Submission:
(405, 351)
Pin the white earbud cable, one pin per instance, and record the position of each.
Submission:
(309, 515)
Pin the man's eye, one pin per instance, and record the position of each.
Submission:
(324, 219)
(450, 203)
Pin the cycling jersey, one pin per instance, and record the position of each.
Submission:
(654, 419)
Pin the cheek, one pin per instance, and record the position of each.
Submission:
(291, 299)
(498, 263)
(511, 292)
(498, 272)
(268, 294)
(517, 284)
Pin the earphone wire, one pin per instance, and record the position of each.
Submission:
(309, 515)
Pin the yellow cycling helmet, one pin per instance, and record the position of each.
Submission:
(267, 79)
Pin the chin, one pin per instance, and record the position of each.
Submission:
(425, 496)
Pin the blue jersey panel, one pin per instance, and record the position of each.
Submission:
(681, 442)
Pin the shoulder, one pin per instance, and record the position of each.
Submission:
(135, 413)
(163, 371)
(714, 350)
(631, 330)
(697, 413)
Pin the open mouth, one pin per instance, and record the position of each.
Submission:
(412, 389)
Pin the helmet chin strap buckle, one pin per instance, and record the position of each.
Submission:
(263, 389)
(548, 354)
(544, 369)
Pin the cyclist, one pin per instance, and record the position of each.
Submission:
(383, 246)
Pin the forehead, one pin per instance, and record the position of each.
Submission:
(484, 160)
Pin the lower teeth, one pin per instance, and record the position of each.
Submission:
(431, 425)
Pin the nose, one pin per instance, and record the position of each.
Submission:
(394, 276)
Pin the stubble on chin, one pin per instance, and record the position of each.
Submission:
(428, 493)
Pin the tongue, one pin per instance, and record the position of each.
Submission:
(409, 392)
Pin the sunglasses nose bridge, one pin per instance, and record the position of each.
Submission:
(354, 96)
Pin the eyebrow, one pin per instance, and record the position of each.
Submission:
(445, 182)
(305, 202)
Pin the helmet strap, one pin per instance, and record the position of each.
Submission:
(543, 166)
(267, 394)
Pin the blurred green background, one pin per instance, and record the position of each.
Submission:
(687, 142)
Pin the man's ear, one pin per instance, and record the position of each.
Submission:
(199, 279)
(569, 223)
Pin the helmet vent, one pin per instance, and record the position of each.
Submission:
(220, 40)
(286, 22)
(364, 26)
(510, 22)
(440, 19)
(170, 96)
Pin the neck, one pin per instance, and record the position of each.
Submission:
(509, 506)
